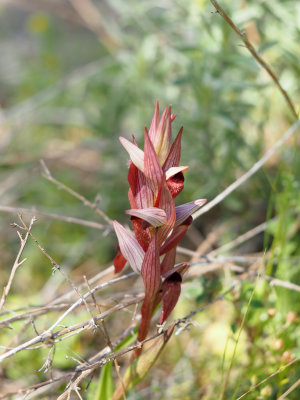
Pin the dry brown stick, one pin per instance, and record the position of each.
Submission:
(273, 281)
(241, 239)
(221, 196)
(108, 271)
(257, 57)
(17, 263)
(47, 334)
(55, 265)
(33, 313)
(47, 174)
(72, 220)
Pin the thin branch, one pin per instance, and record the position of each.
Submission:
(47, 174)
(221, 196)
(72, 220)
(269, 377)
(257, 57)
(17, 263)
(48, 334)
(293, 387)
(242, 238)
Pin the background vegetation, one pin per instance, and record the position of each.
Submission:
(73, 78)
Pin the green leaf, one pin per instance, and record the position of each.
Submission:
(105, 388)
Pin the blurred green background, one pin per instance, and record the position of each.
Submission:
(76, 75)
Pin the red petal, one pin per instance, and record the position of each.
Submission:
(154, 123)
(153, 170)
(153, 215)
(151, 269)
(151, 277)
(129, 247)
(132, 179)
(166, 202)
(119, 262)
(180, 269)
(185, 210)
(173, 157)
(177, 234)
(166, 139)
(168, 261)
(170, 293)
(139, 189)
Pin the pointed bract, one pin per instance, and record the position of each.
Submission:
(153, 215)
(185, 210)
(152, 168)
(170, 293)
(135, 153)
(129, 247)
(173, 157)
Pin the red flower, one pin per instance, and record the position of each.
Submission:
(155, 179)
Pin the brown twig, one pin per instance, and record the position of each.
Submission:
(257, 57)
(47, 174)
(17, 263)
(48, 334)
(72, 220)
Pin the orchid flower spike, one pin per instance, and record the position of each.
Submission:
(155, 178)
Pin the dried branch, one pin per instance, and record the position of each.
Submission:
(290, 389)
(72, 220)
(48, 334)
(242, 179)
(17, 263)
(46, 174)
(257, 57)
(283, 367)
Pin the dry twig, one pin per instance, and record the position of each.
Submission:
(242, 179)
(72, 220)
(46, 174)
(17, 263)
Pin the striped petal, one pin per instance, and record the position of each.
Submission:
(173, 158)
(153, 170)
(155, 216)
(135, 153)
(185, 210)
(129, 247)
